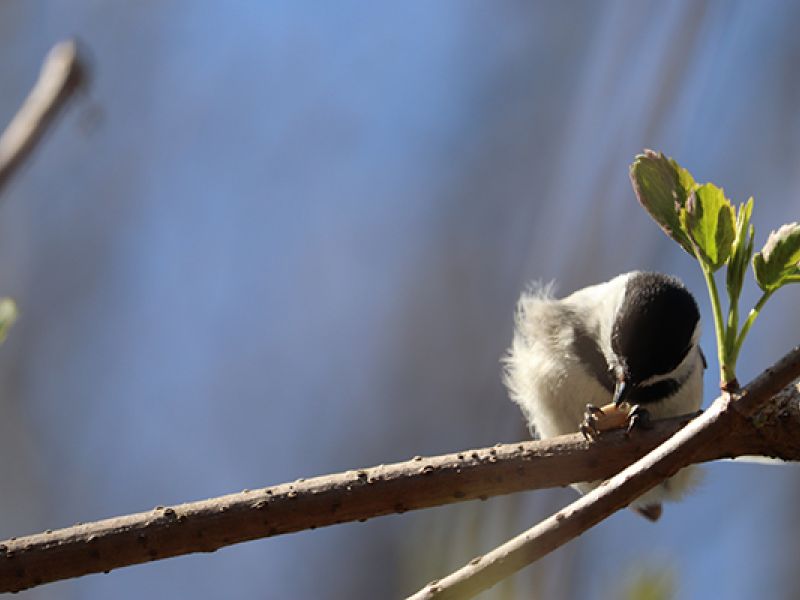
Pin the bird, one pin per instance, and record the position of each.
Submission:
(630, 341)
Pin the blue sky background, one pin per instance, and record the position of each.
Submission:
(280, 239)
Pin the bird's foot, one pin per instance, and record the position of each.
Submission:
(597, 420)
(588, 426)
(613, 416)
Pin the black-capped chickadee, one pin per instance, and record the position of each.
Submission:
(633, 339)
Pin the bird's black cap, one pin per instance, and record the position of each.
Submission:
(653, 328)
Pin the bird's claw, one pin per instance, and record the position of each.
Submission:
(589, 427)
(612, 416)
(638, 417)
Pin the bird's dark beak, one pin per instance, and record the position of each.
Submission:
(621, 392)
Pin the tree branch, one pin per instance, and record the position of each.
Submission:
(62, 73)
(358, 495)
(305, 504)
(709, 430)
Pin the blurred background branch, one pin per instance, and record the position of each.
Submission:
(62, 73)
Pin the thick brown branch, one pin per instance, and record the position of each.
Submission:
(60, 76)
(357, 495)
(710, 430)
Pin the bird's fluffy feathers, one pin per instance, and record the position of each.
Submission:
(551, 383)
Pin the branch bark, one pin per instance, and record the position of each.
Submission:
(358, 495)
(709, 430)
(62, 73)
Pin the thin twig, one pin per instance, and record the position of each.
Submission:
(62, 73)
(682, 449)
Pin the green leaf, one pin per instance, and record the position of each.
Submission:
(778, 263)
(662, 187)
(708, 219)
(741, 251)
(8, 314)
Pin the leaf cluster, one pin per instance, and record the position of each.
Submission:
(707, 225)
